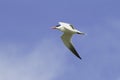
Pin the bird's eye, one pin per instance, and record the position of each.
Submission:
(57, 25)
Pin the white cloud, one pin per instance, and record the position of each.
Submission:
(42, 63)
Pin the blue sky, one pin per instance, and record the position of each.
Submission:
(30, 50)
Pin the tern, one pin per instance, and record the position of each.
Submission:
(68, 31)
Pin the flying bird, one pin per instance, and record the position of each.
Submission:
(68, 31)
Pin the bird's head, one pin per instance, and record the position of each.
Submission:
(56, 27)
(60, 26)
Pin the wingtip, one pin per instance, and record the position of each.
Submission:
(80, 58)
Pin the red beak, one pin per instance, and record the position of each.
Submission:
(53, 27)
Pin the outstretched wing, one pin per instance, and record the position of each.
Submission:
(66, 38)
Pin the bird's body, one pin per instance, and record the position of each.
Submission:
(68, 30)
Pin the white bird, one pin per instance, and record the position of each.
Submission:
(68, 31)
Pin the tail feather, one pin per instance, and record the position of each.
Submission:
(82, 33)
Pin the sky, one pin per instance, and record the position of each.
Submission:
(31, 50)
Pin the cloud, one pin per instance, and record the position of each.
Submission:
(43, 62)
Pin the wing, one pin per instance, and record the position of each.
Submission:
(71, 26)
(67, 41)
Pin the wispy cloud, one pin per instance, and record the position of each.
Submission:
(43, 62)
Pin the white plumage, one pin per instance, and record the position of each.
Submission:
(68, 30)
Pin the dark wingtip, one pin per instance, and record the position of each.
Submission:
(80, 58)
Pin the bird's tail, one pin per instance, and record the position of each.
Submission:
(82, 33)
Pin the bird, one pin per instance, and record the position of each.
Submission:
(68, 31)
